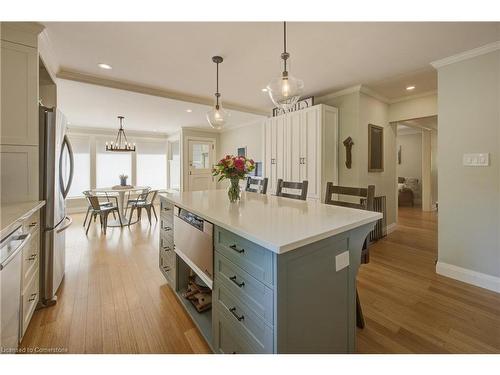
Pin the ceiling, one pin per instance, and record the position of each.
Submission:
(87, 105)
(328, 56)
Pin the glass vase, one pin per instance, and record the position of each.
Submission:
(233, 192)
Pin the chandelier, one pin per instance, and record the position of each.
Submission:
(121, 144)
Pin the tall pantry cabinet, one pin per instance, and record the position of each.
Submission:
(302, 145)
(19, 107)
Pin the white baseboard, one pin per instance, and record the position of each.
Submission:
(479, 279)
(390, 228)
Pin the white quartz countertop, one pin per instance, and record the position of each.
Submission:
(13, 214)
(279, 224)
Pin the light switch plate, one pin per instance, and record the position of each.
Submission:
(342, 261)
(476, 160)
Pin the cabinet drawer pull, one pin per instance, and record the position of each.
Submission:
(239, 317)
(32, 257)
(166, 209)
(167, 248)
(166, 229)
(33, 224)
(236, 249)
(32, 297)
(233, 279)
(166, 268)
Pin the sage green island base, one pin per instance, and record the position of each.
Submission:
(277, 290)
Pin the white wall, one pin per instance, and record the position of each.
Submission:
(356, 111)
(469, 197)
(411, 155)
(434, 168)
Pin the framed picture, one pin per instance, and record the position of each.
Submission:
(257, 172)
(375, 148)
(242, 151)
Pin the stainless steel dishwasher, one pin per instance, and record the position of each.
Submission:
(193, 242)
(11, 250)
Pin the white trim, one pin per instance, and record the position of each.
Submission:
(479, 279)
(487, 48)
(390, 228)
(47, 55)
(411, 97)
(83, 130)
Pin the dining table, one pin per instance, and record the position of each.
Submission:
(122, 205)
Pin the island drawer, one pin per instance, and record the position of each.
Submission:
(254, 259)
(245, 287)
(167, 231)
(166, 210)
(243, 317)
(31, 254)
(168, 268)
(29, 301)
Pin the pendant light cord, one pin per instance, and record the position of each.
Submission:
(284, 54)
(217, 94)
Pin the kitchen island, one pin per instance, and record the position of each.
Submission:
(284, 271)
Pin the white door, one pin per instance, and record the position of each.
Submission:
(310, 151)
(200, 163)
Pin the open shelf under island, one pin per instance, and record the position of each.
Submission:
(284, 271)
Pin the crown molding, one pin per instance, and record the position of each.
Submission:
(174, 95)
(99, 131)
(336, 94)
(47, 54)
(368, 91)
(411, 97)
(487, 48)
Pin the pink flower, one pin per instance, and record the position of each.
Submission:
(239, 164)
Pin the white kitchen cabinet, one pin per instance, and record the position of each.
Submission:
(303, 145)
(19, 173)
(19, 95)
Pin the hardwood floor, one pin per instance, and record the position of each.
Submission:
(410, 309)
(115, 300)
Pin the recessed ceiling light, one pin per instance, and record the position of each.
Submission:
(409, 88)
(104, 66)
(189, 110)
(264, 89)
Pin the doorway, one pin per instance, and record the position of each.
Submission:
(201, 154)
(417, 163)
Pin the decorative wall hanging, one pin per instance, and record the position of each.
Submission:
(348, 143)
(375, 148)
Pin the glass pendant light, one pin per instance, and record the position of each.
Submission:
(217, 116)
(285, 90)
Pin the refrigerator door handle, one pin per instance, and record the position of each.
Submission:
(69, 221)
(65, 190)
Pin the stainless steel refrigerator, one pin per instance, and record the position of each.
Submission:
(56, 175)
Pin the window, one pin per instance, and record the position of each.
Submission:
(81, 157)
(151, 164)
(110, 165)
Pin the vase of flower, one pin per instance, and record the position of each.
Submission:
(233, 191)
(123, 179)
(233, 168)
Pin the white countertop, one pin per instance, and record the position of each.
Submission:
(14, 213)
(279, 224)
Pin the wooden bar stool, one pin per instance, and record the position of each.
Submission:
(366, 198)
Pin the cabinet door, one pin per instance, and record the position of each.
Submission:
(310, 150)
(280, 149)
(268, 157)
(293, 144)
(19, 173)
(19, 94)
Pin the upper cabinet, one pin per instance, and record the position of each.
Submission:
(19, 151)
(19, 94)
(302, 146)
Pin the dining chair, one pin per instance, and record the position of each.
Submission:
(108, 203)
(144, 202)
(141, 195)
(366, 198)
(302, 186)
(256, 185)
(102, 211)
